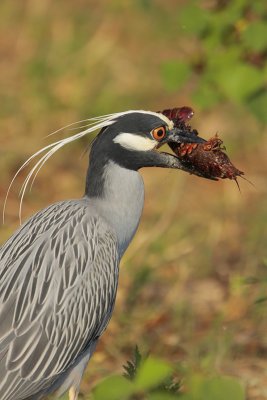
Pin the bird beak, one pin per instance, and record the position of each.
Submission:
(177, 135)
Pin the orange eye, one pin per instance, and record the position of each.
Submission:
(159, 133)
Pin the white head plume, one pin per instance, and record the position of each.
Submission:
(93, 125)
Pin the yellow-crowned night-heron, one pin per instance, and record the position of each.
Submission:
(59, 271)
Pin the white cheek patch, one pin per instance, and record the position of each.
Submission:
(131, 141)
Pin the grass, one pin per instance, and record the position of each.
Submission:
(191, 279)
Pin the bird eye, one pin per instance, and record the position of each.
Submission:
(159, 133)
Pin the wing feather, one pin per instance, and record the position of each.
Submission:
(58, 281)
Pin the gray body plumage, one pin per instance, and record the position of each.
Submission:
(59, 273)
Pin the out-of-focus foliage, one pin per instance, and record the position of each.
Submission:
(153, 380)
(148, 378)
(216, 388)
(193, 282)
(131, 367)
(227, 59)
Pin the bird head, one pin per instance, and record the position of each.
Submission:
(133, 139)
(130, 139)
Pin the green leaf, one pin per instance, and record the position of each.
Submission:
(227, 16)
(219, 388)
(65, 397)
(206, 96)
(254, 36)
(132, 366)
(260, 300)
(151, 374)
(259, 7)
(186, 396)
(258, 105)
(221, 57)
(175, 74)
(193, 19)
(238, 81)
(195, 385)
(113, 388)
(223, 388)
(162, 396)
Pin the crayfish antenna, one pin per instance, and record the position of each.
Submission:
(237, 184)
(252, 184)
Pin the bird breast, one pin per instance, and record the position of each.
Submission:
(122, 202)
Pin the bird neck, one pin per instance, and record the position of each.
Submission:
(117, 194)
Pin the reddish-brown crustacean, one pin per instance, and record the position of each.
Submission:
(206, 159)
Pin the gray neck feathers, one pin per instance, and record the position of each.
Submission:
(122, 201)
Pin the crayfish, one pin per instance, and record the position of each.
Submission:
(206, 159)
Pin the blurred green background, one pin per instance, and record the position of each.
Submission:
(193, 282)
